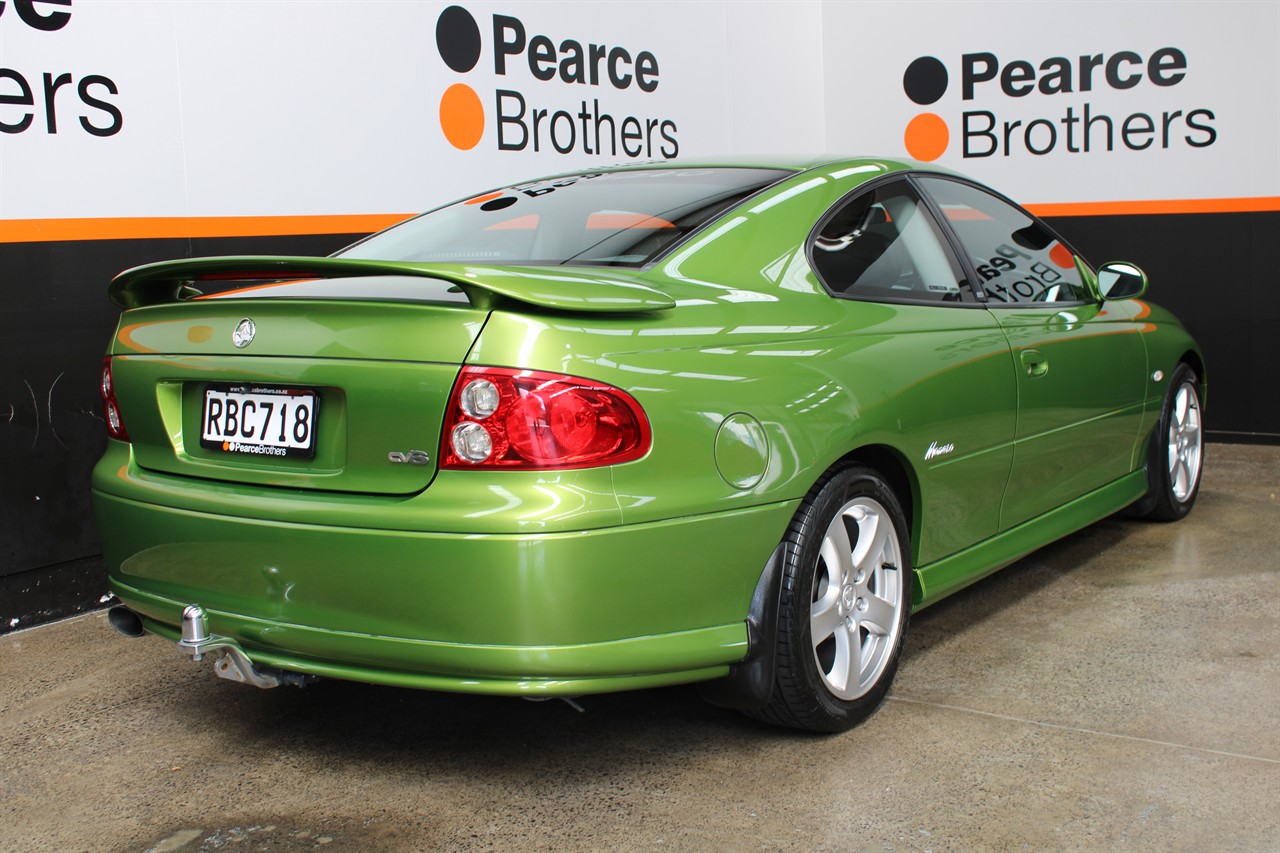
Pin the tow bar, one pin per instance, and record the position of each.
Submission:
(229, 661)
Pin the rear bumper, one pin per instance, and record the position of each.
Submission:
(555, 614)
(631, 664)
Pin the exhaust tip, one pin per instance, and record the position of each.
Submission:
(125, 621)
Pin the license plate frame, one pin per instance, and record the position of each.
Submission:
(287, 430)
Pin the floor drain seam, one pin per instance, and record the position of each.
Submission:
(1080, 730)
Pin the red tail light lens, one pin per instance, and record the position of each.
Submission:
(110, 408)
(527, 419)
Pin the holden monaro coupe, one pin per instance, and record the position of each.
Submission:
(629, 427)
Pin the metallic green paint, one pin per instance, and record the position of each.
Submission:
(943, 577)
(1079, 408)
(577, 603)
(1003, 427)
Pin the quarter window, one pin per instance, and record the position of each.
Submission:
(1017, 257)
(883, 245)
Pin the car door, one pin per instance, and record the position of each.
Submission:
(1079, 365)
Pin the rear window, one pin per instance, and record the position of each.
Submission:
(595, 218)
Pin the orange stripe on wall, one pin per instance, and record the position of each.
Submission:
(160, 227)
(1196, 205)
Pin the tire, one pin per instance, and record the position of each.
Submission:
(846, 581)
(1175, 459)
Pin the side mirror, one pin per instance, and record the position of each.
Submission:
(1121, 280)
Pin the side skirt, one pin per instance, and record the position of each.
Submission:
(951, 574)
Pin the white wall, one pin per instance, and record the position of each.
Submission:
(275, 108)
(1230, 84)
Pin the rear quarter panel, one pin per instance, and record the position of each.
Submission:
(821, 377)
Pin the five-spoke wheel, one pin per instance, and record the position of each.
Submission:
(1184, 441)
(1176, 458)
(846, 597)
(858, 591)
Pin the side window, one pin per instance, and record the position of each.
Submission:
(884, 245)
(1018, 259)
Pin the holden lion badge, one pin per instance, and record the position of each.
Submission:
(243, 335)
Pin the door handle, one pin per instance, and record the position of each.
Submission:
(1034, 362)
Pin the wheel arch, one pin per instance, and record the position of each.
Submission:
(1157, 504)
(750, 683)
(891, 464)
(1193, 360)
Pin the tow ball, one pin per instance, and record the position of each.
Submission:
(229, 661)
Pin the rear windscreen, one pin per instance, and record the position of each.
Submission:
(610, 218)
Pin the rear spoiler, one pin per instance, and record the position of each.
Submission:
(557, 287)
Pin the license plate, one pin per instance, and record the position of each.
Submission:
(259, 420)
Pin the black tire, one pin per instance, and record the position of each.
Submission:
(1175, 459)
(852, 512)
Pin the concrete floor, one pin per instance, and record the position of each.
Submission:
(1119, 690)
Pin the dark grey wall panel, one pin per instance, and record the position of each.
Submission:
(1217, 273)
(55, 321)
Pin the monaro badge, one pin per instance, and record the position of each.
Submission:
(936, 450)
(244, 332)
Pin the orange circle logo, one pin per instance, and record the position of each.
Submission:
(927, 137)
(1062, 256)
(461, 116)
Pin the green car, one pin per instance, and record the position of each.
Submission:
(638, 426)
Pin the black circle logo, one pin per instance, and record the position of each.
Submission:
(925, 80)
(458, 39)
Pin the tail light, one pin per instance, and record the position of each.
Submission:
(110, 408)
(527, 419)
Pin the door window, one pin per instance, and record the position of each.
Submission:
(1018, 259)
